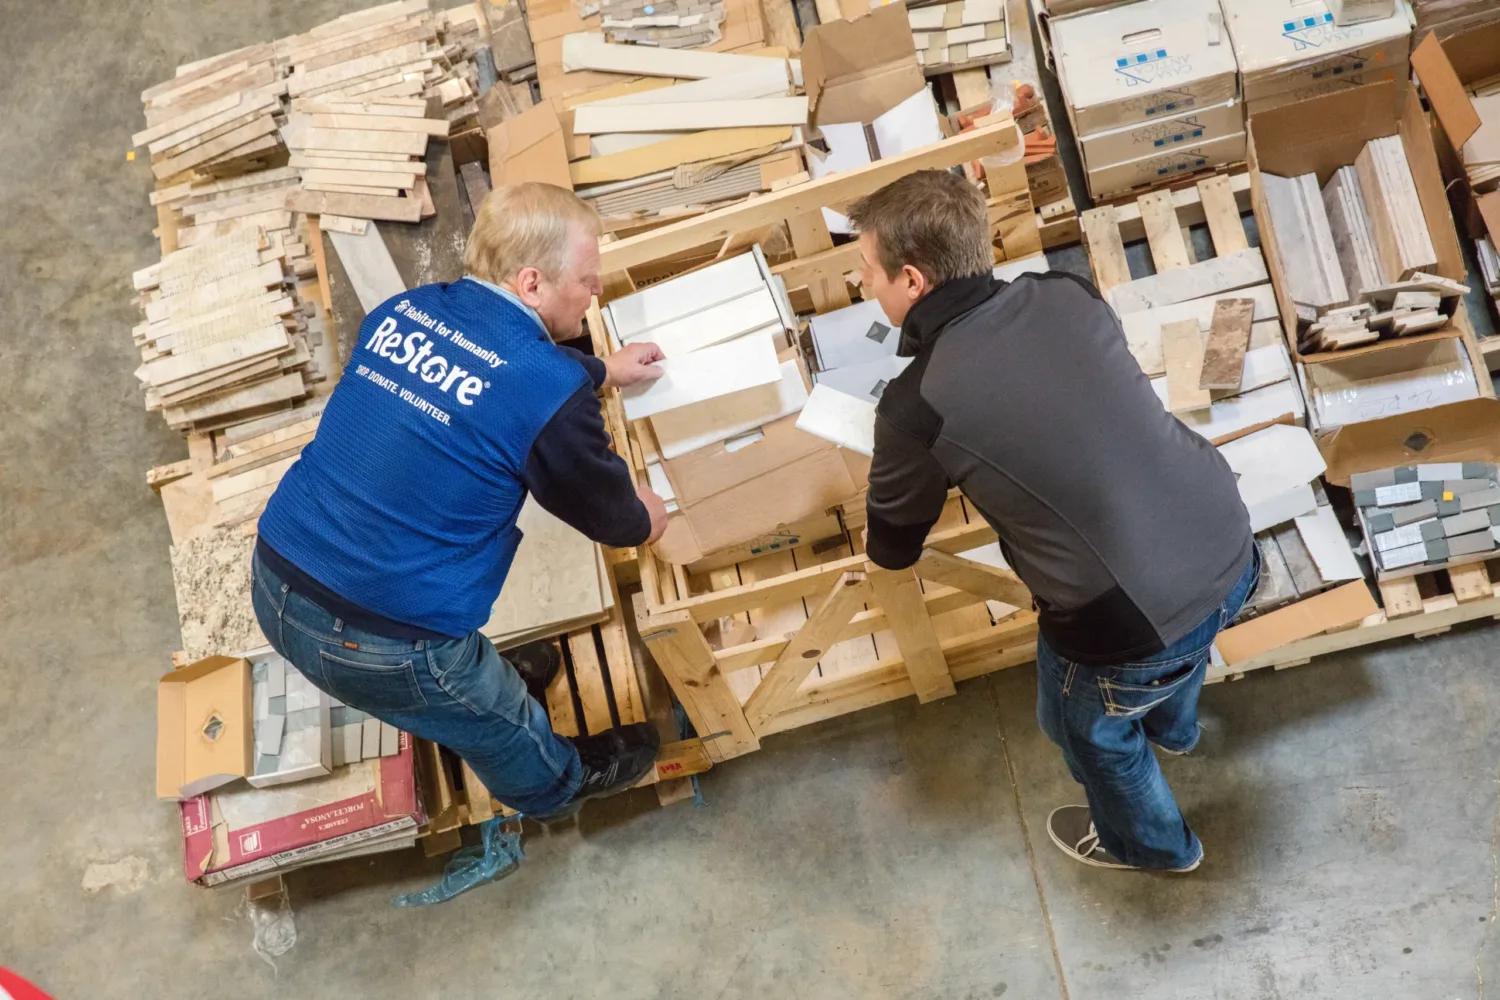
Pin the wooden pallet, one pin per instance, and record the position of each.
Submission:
(1417, 607)
(1176, 182)
(1161, 218)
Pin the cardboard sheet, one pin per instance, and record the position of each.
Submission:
(854, 335)
(1331, 609)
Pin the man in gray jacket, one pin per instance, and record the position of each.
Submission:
(1126, 526)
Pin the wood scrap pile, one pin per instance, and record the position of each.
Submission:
(958, 35)
(1481, 154)
(663, 148)
(225, 337)
(361, 159)
(1358, 257)
(215, 116)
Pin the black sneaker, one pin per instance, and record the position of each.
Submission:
(538, 664)
(1072, 830)
(612, 761)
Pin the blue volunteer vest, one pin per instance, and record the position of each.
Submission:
(406, 501)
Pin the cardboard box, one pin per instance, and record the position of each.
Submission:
(1459, 432)
(1161, 167)
(1404, 378)
(1320, 136)
(238, 833)
(1346, 605)
(530, 147)
(1161, 137)
(1148, 60)
(1398, 74)
(786, 478)
(204, 737)
(1445, 67)
(855, 71)
(1285, 44)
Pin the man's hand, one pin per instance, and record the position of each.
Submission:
(632, 365)
(656, 508)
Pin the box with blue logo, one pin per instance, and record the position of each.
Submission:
(1151, 60)
(1283, 45)
(1161, 137)
(1166, 166)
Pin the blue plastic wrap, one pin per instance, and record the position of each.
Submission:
(499, 855)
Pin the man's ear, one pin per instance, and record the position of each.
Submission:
(527, 281)
(915, 282)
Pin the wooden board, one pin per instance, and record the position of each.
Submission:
(691, 116)
(1207, 277)
(355, 206)
(1228, 338)
(830, 191)
(1182, 348)
(666, 155)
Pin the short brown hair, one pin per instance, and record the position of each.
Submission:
(526, 225)
(933, 220)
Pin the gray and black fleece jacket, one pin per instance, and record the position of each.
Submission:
(1126, 526)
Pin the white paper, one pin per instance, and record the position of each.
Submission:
(714, 371)
(853, 336)
(866, 381)
(847, 421)
(990, 555)
(909, 125)
(1325, 541)
(847, 149)
(700, 425)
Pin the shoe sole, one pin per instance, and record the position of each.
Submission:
(1092, 863)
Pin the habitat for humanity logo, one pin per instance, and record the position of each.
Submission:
(1150, 67)
(1316, 31)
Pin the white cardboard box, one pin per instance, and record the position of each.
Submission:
(1284, 44)
(1160, 137)
(1164, 166)
(1147, 60)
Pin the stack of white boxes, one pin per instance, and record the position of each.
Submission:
(1152, 91)
(1292, 50)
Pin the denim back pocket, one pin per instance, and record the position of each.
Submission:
(371, 685)
(1123, 699)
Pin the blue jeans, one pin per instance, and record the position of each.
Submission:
(1103, 717)
(460, 694)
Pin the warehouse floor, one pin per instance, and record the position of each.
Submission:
(1349, 807)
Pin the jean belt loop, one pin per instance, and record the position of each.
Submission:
(338, 624)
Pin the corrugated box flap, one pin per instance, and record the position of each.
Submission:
(1467, 430)
(1450, 102)
(855, 71)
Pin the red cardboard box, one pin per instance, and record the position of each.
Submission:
(240, 832)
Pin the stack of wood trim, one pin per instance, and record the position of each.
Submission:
(215, 116)
(1421, 305)
(1304, 243)
(1353, 239)
(362, 159)
(225, 335)
(959, 35)
(1396, 217)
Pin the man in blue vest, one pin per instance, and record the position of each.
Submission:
(385, 546)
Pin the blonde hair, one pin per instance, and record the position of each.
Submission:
(526, 225)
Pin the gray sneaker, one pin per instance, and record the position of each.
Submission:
(1072, 830)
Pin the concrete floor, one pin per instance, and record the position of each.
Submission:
(1349, 807)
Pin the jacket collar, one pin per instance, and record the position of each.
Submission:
(940, 307)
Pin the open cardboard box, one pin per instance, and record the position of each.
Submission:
(204, 736)
(1320, 136)
(1391, 383)
(1445, 68)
